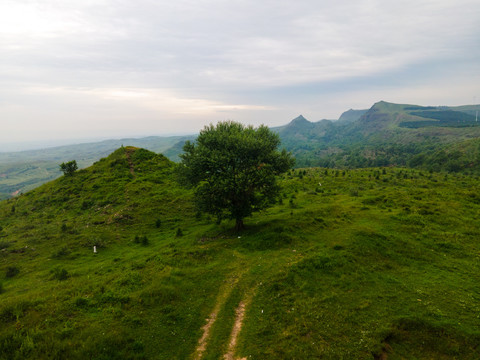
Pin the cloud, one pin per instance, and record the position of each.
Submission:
(155, 99)
(193, 60)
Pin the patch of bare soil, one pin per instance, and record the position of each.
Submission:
(202, 343)
(222, 297)
(383, 355)
(15, 193)
(130, 163)
(237, 327)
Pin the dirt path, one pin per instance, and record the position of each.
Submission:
(221, 299)
(202, 343)
(237, 326)
(130, 163)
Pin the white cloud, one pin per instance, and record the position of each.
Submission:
(155, 99)
(147, 61)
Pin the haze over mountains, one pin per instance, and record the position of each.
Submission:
(437, 138)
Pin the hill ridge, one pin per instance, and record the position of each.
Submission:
(385, 134)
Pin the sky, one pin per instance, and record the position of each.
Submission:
(84, 69)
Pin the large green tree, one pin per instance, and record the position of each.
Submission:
(234, 168)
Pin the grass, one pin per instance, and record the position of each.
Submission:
(370, 263)
(22, 171)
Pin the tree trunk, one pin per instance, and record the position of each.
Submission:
(239, 226)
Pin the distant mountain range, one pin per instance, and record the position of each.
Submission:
(388, 134)
(435, 138)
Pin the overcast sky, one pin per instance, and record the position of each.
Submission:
(73, 69)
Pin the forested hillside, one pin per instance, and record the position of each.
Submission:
(431, 138)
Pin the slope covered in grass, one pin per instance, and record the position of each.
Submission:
(22, 171)
(359, 264)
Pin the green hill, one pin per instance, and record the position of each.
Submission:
(358, 264)
(385, 135)
(25, 170)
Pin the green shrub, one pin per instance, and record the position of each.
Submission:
(59, 274)
(158, 223)
(138, 347)
(64, 251)
(69, 167)
(86, 204)
(179, 232)
(4, 244)
(81, 302)
(99, 243)
(292, 203)
(7, 314)
(11, 271)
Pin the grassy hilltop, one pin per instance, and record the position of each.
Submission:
(432, 138)
(356, 264)
(23, 171)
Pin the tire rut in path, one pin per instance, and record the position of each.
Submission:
(237, 327)
(202, 343)
(221, 299)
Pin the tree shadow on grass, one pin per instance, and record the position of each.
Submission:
(418, 338)
(263, 236)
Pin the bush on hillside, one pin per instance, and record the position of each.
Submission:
(12, 271)
(59, 274)
(69, 168)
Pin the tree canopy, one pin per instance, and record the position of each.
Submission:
(69, 168)
(233, 168)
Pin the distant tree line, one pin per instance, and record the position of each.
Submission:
(426, 155)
